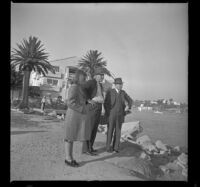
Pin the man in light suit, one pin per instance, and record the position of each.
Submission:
(94, 91)
(115, 111)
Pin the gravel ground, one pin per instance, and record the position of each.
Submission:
(37, 153)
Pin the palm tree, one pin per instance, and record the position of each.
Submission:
(30, 56)
(93, 60)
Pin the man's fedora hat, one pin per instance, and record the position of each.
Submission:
(99, 71)
(118, 81)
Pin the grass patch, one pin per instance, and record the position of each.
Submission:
(22, 121)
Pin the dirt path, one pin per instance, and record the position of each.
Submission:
(37, 153)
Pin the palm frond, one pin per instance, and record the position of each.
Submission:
(30, 53)
(91, 61)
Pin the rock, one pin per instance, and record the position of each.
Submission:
(160, 145)
(143, 139)
(181, 165)
(130, 130)
(162, 152)
(127, 137)
(146, 144)
(164, 169)
(169, 152)
(173, 165)
(184, 149)
(140, 166)
(158, 160)
(156, 153)
(177, 148)
(175, 152)
(183, 159)
(185, 172)
(144, 156)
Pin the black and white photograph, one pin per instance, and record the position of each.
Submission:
(99, 91)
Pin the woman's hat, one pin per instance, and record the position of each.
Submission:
(118, 81)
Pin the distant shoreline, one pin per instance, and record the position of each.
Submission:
(169, 127)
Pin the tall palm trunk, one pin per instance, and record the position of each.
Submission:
(12, 93)
(26, 78)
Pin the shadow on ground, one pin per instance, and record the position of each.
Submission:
(22, 121)
(24, 132)
(128, 150)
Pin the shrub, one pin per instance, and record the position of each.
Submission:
(36, 103)
(34, 91)
(15, 102)
(59, 106)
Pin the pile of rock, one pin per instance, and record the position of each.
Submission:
(178, 165)
(176, 160)
(147, 144)
(160, 157)
(130, 131)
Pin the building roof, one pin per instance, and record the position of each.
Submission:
(65, 62)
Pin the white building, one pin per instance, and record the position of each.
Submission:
(57, 84)
(154, 102)
(176, 103)
(142, 107)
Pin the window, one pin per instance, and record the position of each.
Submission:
(72, 72)
(56, 68)
(49, 81)
(53, 82)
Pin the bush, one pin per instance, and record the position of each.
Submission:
(59, 106)
(34, 91)
(36, 103)
(15, 102)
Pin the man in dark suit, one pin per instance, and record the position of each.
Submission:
(94, 91)
(115, 110)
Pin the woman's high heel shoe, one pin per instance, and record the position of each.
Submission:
(71, 163)
(75, 163)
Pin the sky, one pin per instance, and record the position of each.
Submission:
(146, 44)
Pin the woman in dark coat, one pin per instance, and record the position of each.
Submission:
(77, 124)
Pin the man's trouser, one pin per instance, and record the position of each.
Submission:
(115, 125)
(95, 120)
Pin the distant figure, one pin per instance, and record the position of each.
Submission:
(43, 102)
(50, 100)
(115, 111)
(59, 100)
